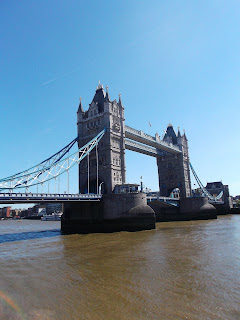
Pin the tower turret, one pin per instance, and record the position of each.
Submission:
(120, 101)
(107, 97)
(80, 107)
(179, 133)
(103, 113)
(174, 170)
(170, 133)
(179, 139)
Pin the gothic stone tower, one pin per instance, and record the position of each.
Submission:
(102, 113)
(173, 170)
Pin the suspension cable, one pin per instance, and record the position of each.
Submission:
(204, 190)
(38, 175)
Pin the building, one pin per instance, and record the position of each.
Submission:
(215, 188)
(126, 188)
(197, 192)
(236, 201)
(54, 207)
(6, 212)
(39, 210)
(16, 213)
(102, 113)
(174, 170)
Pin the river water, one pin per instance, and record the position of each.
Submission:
(181, 270)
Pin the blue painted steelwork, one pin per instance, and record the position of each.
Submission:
(45, 163)
(13, 198)
(204, 190)
(168, 200)
(50, 168)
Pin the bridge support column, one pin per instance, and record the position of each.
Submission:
(128, 212)
(173, 170)
(115, 212)
(198, 208)
(189, 209)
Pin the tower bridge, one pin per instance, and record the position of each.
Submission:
(102, 140)
(171, 151)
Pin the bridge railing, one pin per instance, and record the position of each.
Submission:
(48, 195)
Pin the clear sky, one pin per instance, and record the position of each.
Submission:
(176, 61)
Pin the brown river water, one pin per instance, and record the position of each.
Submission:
(181, 270)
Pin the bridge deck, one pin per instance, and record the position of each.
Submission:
(14, 198)
(169, 200)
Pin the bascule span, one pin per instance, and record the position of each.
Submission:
(16, 198)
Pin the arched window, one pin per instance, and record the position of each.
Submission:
(170, 165)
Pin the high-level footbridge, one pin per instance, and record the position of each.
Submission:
(139, 141)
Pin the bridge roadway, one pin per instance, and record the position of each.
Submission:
(168, 200)
(15, 198)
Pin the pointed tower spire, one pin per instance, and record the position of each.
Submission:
(184, 134)
(100, 86)
(120, 100)
(170, 134)
(80, 108)
(179, 133)
(107, 98)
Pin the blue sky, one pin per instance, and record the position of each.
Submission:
(176, 61)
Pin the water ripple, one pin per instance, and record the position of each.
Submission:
(20, 236)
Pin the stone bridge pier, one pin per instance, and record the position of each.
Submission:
(114, 212)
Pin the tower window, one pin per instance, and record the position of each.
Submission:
(170, 165)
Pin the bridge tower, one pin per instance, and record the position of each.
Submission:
(102, 113)
(174, 170)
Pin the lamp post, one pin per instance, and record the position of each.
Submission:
(100, 188)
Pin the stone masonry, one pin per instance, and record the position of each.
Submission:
(102, 113)
(173, 170)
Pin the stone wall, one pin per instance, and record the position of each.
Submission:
(102, 113)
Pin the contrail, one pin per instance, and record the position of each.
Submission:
(62, 75)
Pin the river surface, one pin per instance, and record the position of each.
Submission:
(181, 270)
